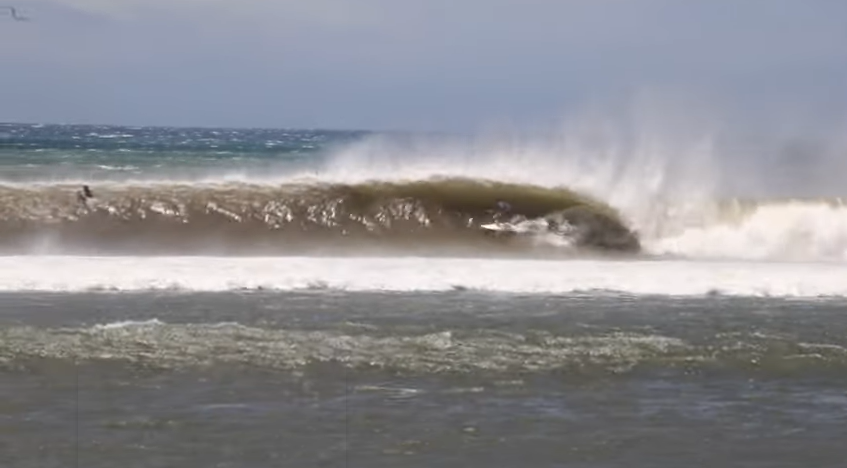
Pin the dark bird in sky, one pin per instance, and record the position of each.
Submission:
(14, 13)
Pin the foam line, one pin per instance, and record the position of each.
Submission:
(665, 277)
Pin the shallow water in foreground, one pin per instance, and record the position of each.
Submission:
(327, 378)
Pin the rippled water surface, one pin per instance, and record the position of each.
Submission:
(326, 378)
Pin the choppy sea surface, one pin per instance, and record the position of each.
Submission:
(254, 298)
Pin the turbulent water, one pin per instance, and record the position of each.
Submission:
(248, 297)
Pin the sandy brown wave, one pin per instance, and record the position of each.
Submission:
(291, 218)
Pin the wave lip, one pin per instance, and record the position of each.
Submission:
(409, 274)
(293, 217)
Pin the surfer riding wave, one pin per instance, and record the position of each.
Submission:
(429, 216)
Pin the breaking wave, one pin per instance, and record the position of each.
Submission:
(645, 183)
(431, 216)
(293, 218)
(790, 229)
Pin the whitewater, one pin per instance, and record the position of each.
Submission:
(594, 277)
(203, 209)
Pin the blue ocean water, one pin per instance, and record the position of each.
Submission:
(30, 152)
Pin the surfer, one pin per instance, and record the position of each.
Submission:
(83, 195)
(501, 209)
(505, 213)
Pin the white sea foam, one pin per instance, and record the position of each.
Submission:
(128, 324)
(659, 277)
(798, 230)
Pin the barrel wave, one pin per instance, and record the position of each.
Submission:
(664, 192)
(432, 216)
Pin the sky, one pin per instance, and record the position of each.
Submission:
(446, 65)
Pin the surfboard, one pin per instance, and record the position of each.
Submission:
(526, 227)
(498, 227)
(502, 229)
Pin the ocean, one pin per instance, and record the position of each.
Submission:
(258, 297)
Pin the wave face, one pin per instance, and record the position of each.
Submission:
(656, 186)
(294, 218)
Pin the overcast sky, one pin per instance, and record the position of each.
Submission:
(410, 64)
